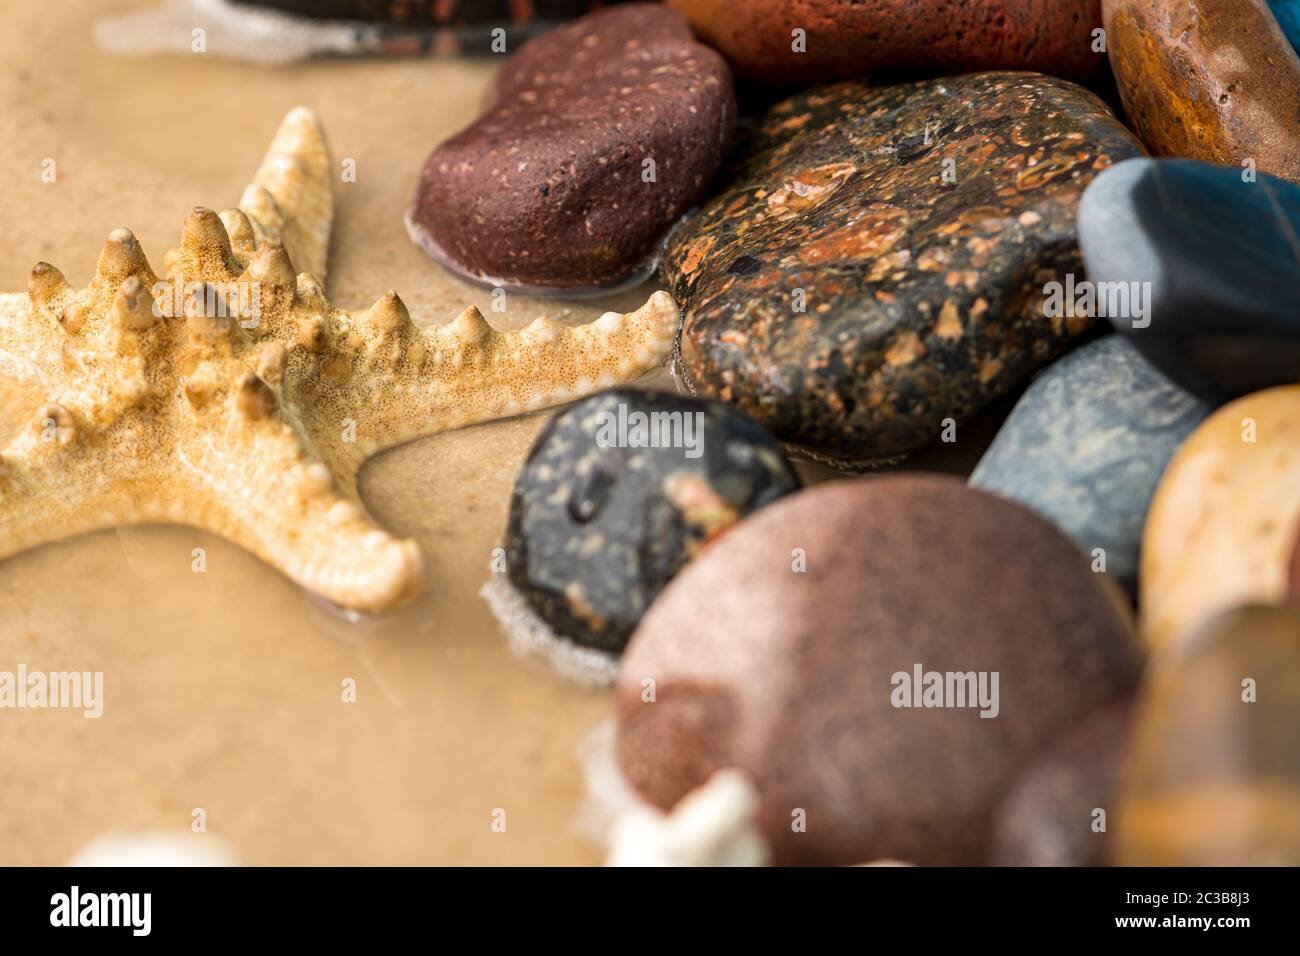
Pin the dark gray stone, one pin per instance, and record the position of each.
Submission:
(1086, 445)
(598, 528)
(1217, 261)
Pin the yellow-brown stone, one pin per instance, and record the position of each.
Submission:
(1224, 518)
(1212, 777)
(1208, 79)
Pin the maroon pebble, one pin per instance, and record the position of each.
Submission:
(599, 136)
(848, 40)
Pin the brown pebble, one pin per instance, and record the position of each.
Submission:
(1213, 774)
(1214, 81)
(1058, 813)
(792, 675)
(600, 135)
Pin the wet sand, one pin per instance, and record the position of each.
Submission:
(223, 689)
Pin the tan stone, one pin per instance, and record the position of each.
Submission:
(1224, 517)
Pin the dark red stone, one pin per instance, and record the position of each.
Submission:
(845, 39)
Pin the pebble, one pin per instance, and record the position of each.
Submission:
(1086, 445)
(840, 41)
(1287, 13)
(619, 492)
(845, 293)
(1215, 81)
(1224, 518)
(1210, 266)
(1059, 811)
(790, 650)
(600, 135)
(1213, 775)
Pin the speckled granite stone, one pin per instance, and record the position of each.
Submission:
(1213, 774)
(1221, 260)
(923, 298)
(849, 40)
(1086, 445)
(778, 651)
(600, 135)
(1049, 817)
(1216, 81)
(596, 529)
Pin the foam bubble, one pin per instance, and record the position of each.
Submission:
(606, 792)
(244, 33)
(530, 636)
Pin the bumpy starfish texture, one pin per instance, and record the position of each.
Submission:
(229, 394)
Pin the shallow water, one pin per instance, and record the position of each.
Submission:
(223, 689)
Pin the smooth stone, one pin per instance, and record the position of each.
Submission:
(1213, 779)
(1086, 445)
(597, 529)
(1214, 81)
(745, 661)
(1287, 13)
(922, 299)
(1217, 263)
(599, 136)
(1224, 519)
(1050, 817)
(849, 40)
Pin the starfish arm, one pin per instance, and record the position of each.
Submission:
(235, 398)
(255, 483)
(55, 483)
(17, 363)
(397, 382)
(289, 205)
(291, 196)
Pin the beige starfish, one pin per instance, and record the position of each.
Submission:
(230, 395)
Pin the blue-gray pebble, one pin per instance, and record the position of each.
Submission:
(1086, 444)
(1211, 255)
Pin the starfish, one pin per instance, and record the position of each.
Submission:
(229, 394)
